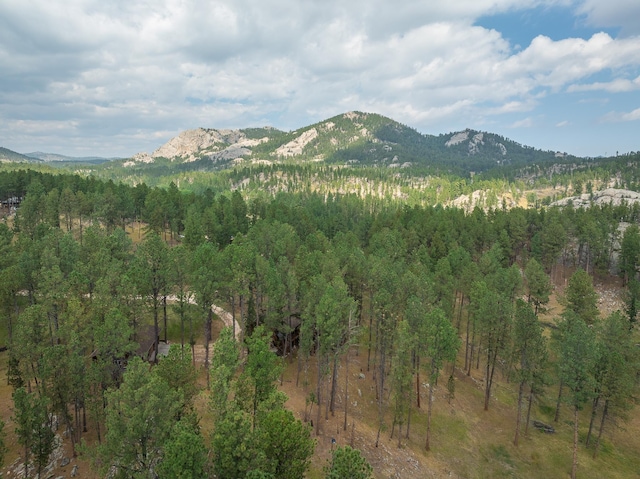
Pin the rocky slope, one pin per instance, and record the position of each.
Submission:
(608, 196)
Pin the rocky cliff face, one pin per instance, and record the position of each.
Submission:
(189, 143)
(296, 147)
(475, 141)
(609, 196)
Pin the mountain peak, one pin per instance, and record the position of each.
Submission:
(351, 138)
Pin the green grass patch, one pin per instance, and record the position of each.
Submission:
(496, 462)
(454, 428)
(505, 395)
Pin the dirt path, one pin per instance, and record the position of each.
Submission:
(224, 315)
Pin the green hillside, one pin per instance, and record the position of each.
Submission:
(7, 155)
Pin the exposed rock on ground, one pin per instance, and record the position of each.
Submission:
(608, 196)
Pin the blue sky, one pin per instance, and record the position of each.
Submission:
(88, 77)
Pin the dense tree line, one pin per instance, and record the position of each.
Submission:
(423, 290)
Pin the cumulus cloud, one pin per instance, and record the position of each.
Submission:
(617, 117)
(524, 123)
(129, 69)
(618, 85)
(624, 14)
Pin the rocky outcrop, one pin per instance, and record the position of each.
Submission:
(458, 138)
(296, 147)
(475, 142)
(190, 142)
(230, 153)
(191, 145)
(609, 196)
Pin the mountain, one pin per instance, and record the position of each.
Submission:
(54, 157)
(354, 138)
(9, 155)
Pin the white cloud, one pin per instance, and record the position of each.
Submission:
(129, 68)
(563, 123)
(617, 117)
(524, 123)
(612, 13)
(619, 85)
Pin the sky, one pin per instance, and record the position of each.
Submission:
(118, 77)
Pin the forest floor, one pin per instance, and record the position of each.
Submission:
(466, 441)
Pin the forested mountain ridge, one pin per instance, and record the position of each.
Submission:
(7, 155)
(353, 138)
(57, 158)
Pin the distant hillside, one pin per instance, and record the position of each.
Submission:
(54, 157)
(354, 138)
(9, 155)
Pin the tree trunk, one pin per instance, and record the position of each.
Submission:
(299, 368)
(429, 404)
(182, 305)
(471, 349)
(604, 416)
(243, 326)
(520, 394)
(557, 416)
(334, 384)
(408, 422)
(574, 466)
(233, 314)
(346, 388)
(594, 410)
(207, 338)
(466, 348)
(418, 381)
(164, 313)
(319, 392)
(156, 330)
(370, 330)
(526, 427)
(460, 311)
(84, 417)
(490, 371)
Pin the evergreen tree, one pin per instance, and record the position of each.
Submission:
(263, 367)
(151, 273)
(285, 443)
(442, 345)
(630, 253)
(234, 445)
(529, 353)
(348, 463)
(577, 356)
(616, 367)
(538, 284)
(223, 367)
(402, 377)
(139, 419)
(581, 296)
(204, 264)
(33, 428)
(185, 452)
